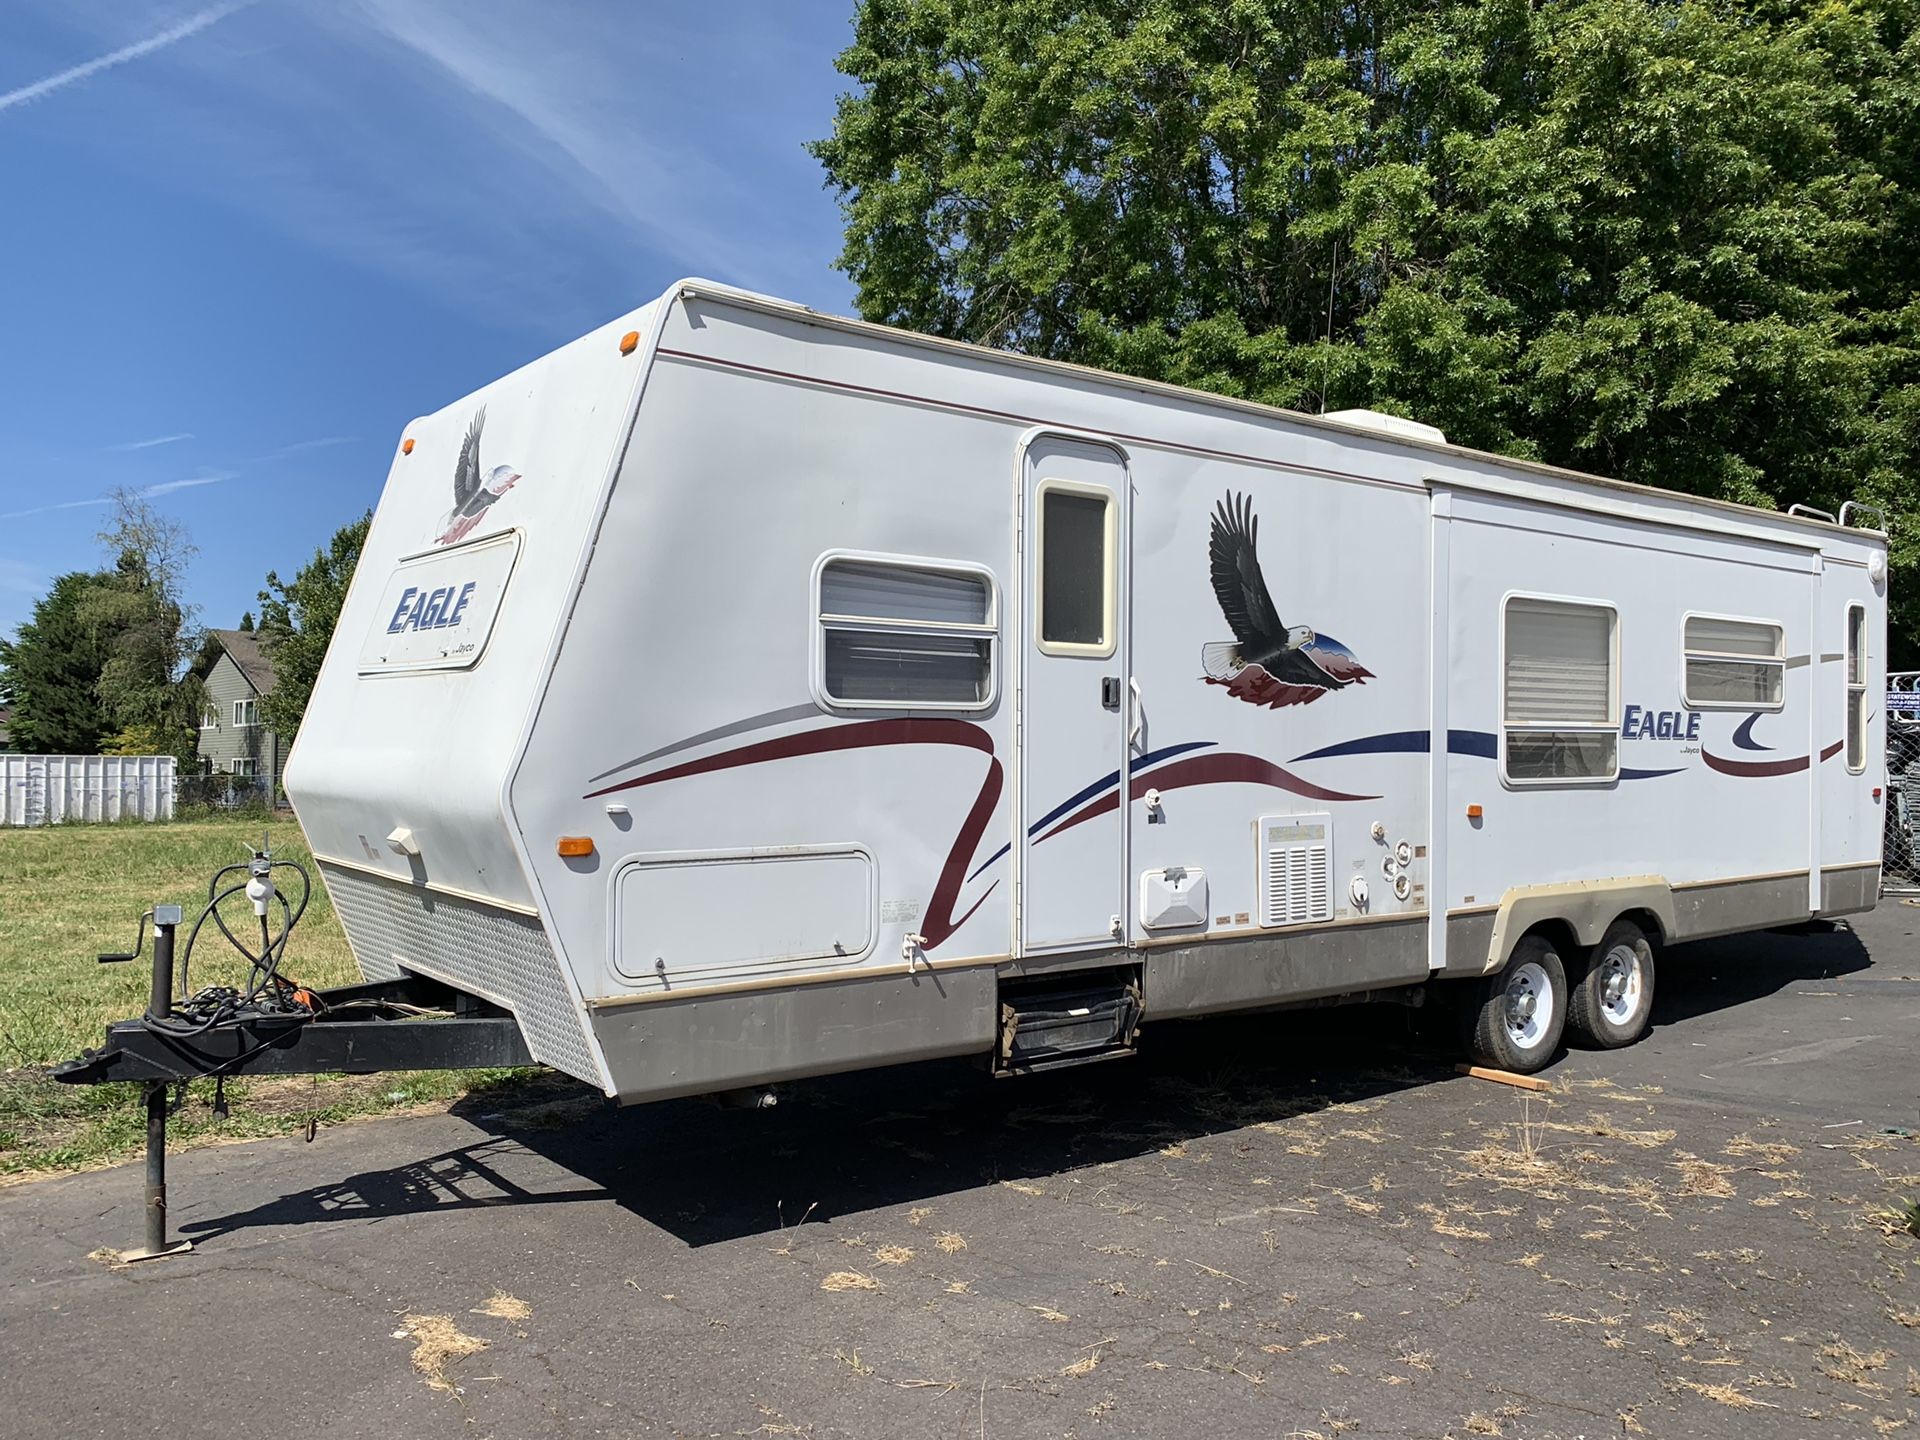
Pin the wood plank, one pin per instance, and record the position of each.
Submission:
(1505, 1077)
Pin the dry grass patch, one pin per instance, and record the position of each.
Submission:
(1702, 1177)
(1047, 1312)
(437, 1340)
(949, 1242)
(1681, 1328)
(502, 1306)
(1840, 1361)
(1602, 1126)
(849, 1280)
(893, 1255)
(1745, 1147)
(1087, 1363)
(1729, 1395)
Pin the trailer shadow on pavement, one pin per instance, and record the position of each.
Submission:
(910, 1135)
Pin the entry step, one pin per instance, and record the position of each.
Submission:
(1070, 1021)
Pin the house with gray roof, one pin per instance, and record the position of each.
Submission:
(233, 739)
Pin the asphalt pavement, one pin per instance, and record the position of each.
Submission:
(1290, 1225)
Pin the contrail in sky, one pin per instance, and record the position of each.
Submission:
(192, 25)
(149, 444)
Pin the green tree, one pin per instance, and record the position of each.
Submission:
(1673, 242)
(145, 629)
(297, 620)
(50, 673)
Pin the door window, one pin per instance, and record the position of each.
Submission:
(1076, 542)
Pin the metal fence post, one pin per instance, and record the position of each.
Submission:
(1900, 861)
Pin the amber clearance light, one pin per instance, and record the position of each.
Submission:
(572, 847)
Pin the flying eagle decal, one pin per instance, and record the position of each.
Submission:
(1268, 662)
(473, 491)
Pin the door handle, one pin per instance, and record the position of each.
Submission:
(1139, 720)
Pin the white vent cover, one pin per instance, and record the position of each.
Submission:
(1397, 426)
(1296, 869)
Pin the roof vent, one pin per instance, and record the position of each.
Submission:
(1385, 424)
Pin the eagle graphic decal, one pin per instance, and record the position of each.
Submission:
(1268, 662)
(474, 489)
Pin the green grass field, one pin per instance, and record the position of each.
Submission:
(71, 892)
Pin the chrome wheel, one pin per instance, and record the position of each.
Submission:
(1529, 1006)
(1621, 979)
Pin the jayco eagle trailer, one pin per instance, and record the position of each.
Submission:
(741, 693)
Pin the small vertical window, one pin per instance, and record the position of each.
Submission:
(1560, 703)
(245, 712)
(1076, 544)
(1856, 660)
(902, 635)
(210, 717)
(242, 768)
(1734, 664)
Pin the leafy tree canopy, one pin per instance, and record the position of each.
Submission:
(1674, 242)
(297, 620)
(50, 673)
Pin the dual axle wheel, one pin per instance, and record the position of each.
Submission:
(1516, 1020)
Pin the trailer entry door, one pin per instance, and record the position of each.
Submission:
(1077, 703)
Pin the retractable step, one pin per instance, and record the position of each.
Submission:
(1067, 1020)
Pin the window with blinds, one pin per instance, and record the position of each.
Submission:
(1856, 659)
(1734, 664)
(905, 635)
(1560, 693)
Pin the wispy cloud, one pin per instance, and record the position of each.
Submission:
(145, 492)
(167, 487)
(535, 168)
(301, 446)
(149, 444)
(172, 35)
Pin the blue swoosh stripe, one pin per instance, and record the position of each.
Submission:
(1459, 742)
(1106, 782)
(1743, 737)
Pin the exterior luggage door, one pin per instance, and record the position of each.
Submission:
(1077, 703)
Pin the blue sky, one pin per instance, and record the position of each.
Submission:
(245, 243)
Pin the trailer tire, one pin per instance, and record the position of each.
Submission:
(1520, 1013)
(1614, 1000)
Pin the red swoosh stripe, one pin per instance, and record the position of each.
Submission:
(1229, 769)
(1751, 768)
(940, 922)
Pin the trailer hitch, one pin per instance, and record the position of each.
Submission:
(273, 1027)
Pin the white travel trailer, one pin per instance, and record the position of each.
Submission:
(742, 693)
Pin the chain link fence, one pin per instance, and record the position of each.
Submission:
(1900, 869)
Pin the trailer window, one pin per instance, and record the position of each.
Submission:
(1734, 664)
(1856, 688)
(1560, 703)
(904, 635)
(1076, 569)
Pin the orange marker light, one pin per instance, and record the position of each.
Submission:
(406, 446)
(1473, 812)
(572, 847)
(629, 342)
